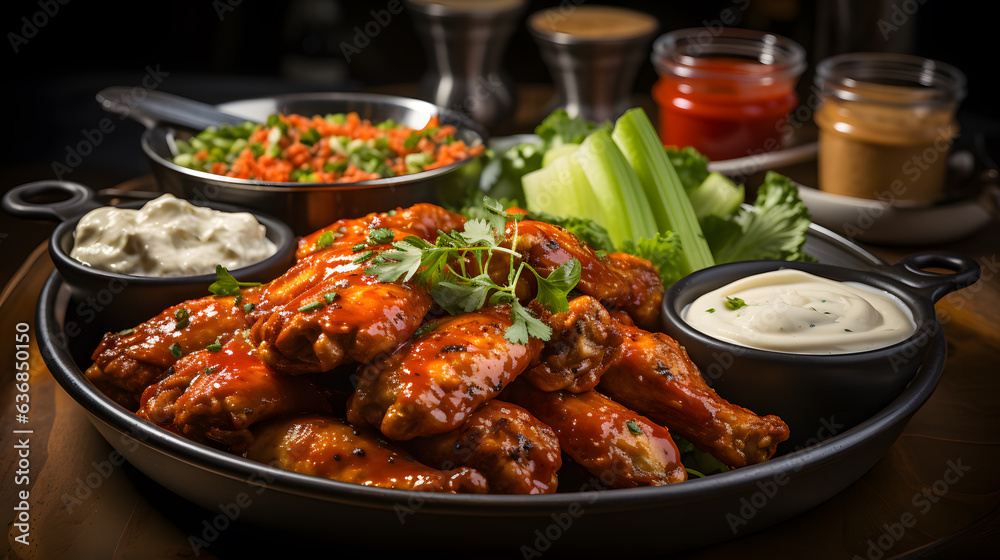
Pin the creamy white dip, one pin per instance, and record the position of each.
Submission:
(794, 311)
(169, 237)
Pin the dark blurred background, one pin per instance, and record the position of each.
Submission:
(229, 49)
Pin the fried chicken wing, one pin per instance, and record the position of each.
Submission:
(516, 452)
(328, 447)
(584, 344)
(127, 362)
(619, 446)
(325, 312)
(618, 280)
(655, 376)
(215, 396)
(434, 382)
(422, 220)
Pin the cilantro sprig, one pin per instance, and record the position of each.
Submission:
(226, 285)
(454, 269)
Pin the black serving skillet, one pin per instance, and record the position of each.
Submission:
(292, 507)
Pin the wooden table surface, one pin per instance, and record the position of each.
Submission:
(935, 493)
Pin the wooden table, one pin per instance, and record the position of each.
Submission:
(914, 503)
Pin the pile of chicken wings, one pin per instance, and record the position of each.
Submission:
(329, 371)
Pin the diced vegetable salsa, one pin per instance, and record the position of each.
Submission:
(336, 148)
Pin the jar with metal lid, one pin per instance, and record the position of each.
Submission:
(886, 125)
(727, 92)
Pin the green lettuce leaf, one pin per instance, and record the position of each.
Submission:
(773, 228)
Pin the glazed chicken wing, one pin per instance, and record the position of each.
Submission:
(654, 376)
(216, 395)
(618, 446)
(422, 220)
(584, 344)
(127, 362)
(325, 312)
(327, 447)
(514, 451)
(433, 383)
(618, 280)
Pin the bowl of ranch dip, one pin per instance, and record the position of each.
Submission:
(819, 345)
(125, 263)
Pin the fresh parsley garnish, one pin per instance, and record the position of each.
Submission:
(329, 297)
(182, 317)
(226, 285)
(326, 239)
(734, 303)
(634, 427)
(453, 270)
(215, 346)
(175, 350)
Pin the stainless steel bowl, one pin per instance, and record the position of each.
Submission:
(308, 207)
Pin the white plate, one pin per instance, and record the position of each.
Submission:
(873, 221)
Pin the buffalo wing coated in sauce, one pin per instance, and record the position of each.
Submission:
(620, 447)
(655, 376)
(324, 446)
(516, 452)
(127, 362)
(216, 395)
(434, 382)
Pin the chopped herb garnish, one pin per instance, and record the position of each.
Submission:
(326, 239)
(248, 307)
(811, 325)
(734, 303)
(633, 427)
(329, 297)
(359, 247)
(182, 317)
(226, 285)
(710, 310)
(458, 289)
(211, 369)
(425, 329)
(380, 236)
(694, 473)
(310, 307)
(215, 346)
(175, 350)
(363, 257)
(848, 330)
(126, 332)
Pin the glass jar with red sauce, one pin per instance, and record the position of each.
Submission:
(726, 91)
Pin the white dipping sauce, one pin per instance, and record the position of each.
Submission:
(169, 237)
(794, 311)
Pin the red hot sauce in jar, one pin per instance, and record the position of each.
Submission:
(725, 92)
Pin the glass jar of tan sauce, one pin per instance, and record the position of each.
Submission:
(886, 125)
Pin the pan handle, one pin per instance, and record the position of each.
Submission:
(80, 200)
(935, 285)
(152, 108)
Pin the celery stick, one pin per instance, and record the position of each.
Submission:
(667, 200)
(562, 189)
(558, 152)
(717, 195)
(616, 188)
